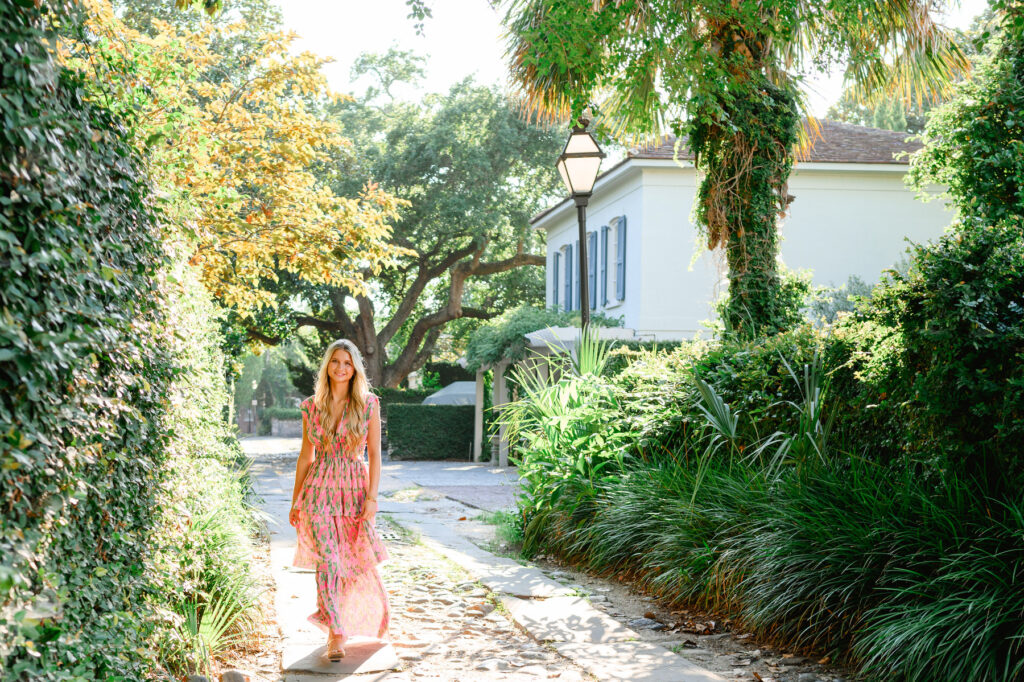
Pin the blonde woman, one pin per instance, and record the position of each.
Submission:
(334, 501)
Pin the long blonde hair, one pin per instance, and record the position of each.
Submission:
(358, 393)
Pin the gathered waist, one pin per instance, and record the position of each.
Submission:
(331, 457)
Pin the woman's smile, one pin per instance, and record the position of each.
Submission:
(340, 367)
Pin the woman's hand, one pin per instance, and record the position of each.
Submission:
(293, 517)
(369, 509)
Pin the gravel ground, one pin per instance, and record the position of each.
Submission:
(444, 627)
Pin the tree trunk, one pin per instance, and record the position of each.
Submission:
(745, 152)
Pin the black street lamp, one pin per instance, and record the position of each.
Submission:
(578, 167)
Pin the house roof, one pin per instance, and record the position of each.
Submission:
(836, 143)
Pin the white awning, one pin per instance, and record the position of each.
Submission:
(565, 338)
(455, 393)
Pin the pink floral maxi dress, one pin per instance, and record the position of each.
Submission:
(350, 597)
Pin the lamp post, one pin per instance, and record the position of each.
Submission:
(578, 167)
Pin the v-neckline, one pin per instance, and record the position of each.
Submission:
(341, 422)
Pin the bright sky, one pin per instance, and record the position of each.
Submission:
(464, 37)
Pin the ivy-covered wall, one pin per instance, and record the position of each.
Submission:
(84, 373)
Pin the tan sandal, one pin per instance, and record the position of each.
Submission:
(335, 652)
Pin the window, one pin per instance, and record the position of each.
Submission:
(592, 269)
(604, 264)
(568, 277)
(620, 259)
(554, 279)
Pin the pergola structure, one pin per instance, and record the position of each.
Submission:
(542, 342)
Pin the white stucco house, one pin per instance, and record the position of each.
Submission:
(851, 216)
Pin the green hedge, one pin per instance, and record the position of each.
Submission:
(83, 372)
(430, 431)
(390, 396)
(279, 413)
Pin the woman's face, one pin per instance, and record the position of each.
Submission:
(340, 367)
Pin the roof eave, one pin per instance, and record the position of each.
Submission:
(541, 220)
(610, 176)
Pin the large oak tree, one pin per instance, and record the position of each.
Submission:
(472, 171)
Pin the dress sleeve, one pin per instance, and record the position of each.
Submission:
(306, 408)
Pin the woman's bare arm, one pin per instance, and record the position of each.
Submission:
(373, 452)
(305, 460)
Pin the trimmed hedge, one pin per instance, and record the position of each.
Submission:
(84, 374)
(389, 396)
(430, 431)
(280, 413)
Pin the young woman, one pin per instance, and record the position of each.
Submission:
(334, 501)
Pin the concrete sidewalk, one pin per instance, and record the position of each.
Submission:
(424, 497)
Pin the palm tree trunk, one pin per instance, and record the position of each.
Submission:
(745, 152)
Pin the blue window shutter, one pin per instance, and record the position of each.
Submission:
(604, 265)
(592, 269)
(620, 260)
(554, 280)
(576, 282)
(568, 277)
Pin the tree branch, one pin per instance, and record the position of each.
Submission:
(454, 309)
(425, 275)
(257, 335)
(345, 323)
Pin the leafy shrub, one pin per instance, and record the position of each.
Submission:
(957, 317)
(502, 338)
(431, 381)
(83, 376)
(430, 431)
(622, 353)
(958, 372)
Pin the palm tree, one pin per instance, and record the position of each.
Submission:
(722, 75)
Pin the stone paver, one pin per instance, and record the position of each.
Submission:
(362, 656)
(634, 662)
(497, 573)
(566, 619)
